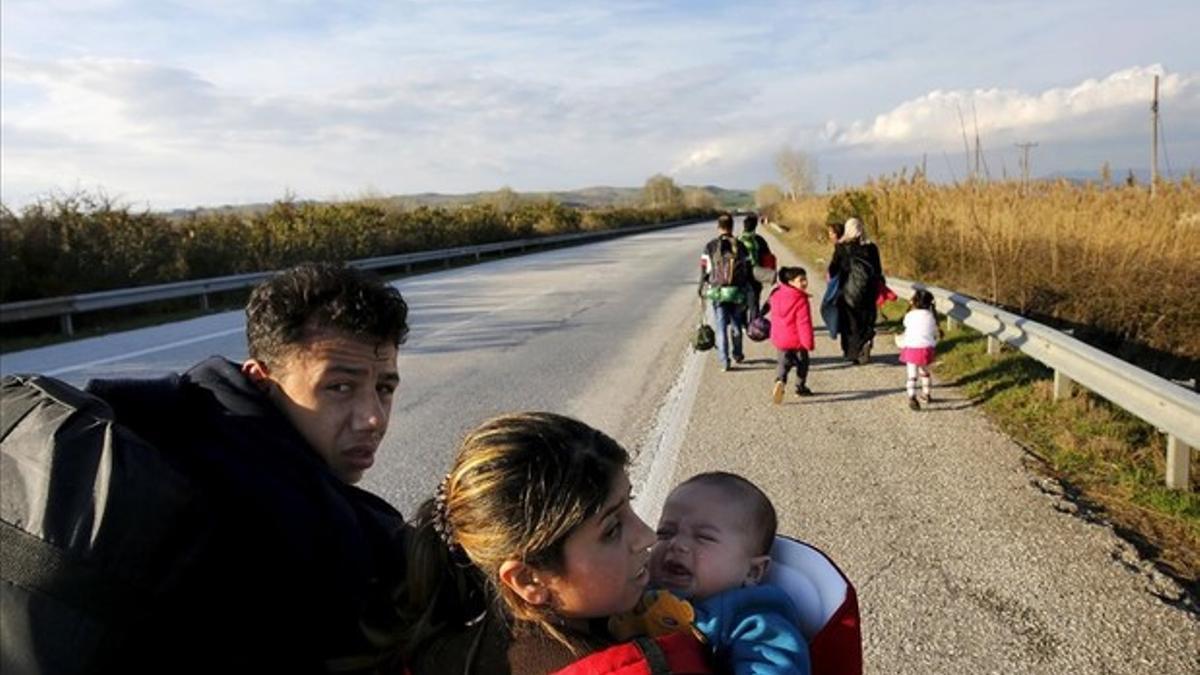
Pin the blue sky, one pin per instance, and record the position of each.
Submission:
(203, 102)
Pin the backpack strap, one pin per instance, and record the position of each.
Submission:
(29, 562)
(679, 653)
(656, 659)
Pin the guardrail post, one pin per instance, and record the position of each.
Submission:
(952, 323)
(204, 301)
(68, 328)
(993, 345)
(1063, 386)
(1179, 459)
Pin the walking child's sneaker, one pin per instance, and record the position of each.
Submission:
(802, 390)
(925, 398)
(777, 392)
(912, 403)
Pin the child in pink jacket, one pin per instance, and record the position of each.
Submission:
(791, 329)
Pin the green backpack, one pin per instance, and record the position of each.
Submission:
(750, 241)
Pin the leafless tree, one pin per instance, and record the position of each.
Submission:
(767, 195)
(798, 172)
(699, 198)
(505, 199)
(661, 190)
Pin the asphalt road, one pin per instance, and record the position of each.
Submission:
(961, 561)
(591, 331)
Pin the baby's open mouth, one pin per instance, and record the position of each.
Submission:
(675, 573)
(677, 568)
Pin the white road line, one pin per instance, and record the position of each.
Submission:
(231, 331)
(665, 438)
(476, 317)
(143, 352)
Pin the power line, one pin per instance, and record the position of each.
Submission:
(1162, 133)
(1154, 138)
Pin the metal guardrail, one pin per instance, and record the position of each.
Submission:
(1172, 409)
(65, 306)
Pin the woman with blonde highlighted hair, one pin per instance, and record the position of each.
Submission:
(859, 272)
(528, 546)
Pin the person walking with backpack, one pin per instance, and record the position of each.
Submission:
(791, 330)
(859, 273)
(222, 530)
(762, 262)
(725, 280)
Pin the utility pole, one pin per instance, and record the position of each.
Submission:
(1154, 143)
(977, 153)
(978, 146)
(1025, 160)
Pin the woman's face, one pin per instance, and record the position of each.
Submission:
(606, 558)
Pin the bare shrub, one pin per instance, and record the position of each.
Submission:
(1112, 258)
(77, 243)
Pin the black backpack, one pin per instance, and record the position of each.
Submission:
(728, 268)
(859, 287)
(95, 526)
(705, 338)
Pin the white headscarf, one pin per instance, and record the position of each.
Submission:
(855, 230)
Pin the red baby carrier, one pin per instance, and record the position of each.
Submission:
(824, 599)
(826, 602)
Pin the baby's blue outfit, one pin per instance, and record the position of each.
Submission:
(756, 630)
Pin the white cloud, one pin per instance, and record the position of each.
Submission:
(200, 102)
(1093, 108)
(706, 155)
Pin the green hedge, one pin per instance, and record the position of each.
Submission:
(81, 243)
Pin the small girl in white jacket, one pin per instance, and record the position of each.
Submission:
(918, 345)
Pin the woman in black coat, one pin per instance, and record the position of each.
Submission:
(858, 269)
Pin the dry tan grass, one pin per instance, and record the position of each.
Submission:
(1113, 258)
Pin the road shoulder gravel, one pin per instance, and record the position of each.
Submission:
(964, 560)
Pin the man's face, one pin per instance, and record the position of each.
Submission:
(337, 392)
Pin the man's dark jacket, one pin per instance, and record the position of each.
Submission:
(295, 566)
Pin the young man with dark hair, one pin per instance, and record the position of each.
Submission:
(724, 280)
(322, 343)
(292, 569)
(758, 249)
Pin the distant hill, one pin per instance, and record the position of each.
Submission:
(1119, 174)
(586, 198)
